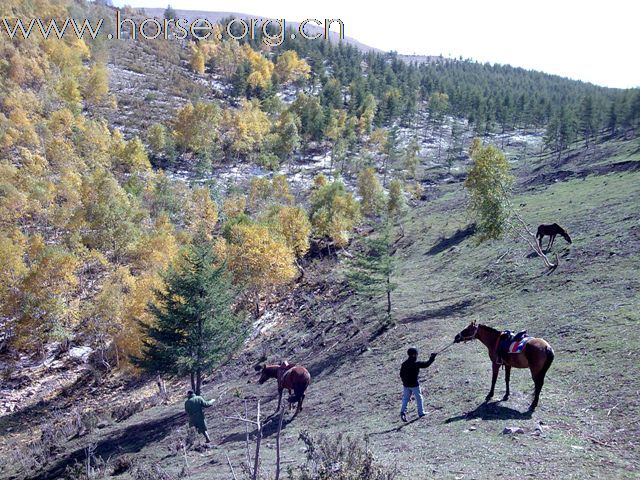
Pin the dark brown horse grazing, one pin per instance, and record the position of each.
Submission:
(537, 356)
(294, 378)
(551, 231)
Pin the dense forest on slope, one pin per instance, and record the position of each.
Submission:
(84, 212)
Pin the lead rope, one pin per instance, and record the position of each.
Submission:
(445, 348)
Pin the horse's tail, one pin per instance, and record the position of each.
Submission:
(539, 232)
(300, 386)
(297, 395)
(548, 361)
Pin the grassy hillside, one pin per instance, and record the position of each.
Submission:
(587, 422)
(90, 225)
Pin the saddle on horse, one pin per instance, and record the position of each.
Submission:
(284, 368)
(510, 343)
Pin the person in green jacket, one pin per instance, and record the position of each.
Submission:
(194, 407)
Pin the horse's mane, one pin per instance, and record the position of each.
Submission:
(487, 327)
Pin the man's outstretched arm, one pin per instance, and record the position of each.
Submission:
(428, 362)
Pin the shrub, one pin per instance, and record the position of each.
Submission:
(339, 458)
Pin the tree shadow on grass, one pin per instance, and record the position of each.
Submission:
(441, 312)
(269, 428)
(133, 439)
(491, 411)
(460, 236)
(44, 409)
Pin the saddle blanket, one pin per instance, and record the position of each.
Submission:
(518, 346)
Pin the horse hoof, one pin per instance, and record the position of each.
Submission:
(505, 398)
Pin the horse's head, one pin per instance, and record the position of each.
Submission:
(263, 375)
(267, 372)
(467, 334)
(566, 236)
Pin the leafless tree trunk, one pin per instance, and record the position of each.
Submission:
(256, 464)
(278, 444)
(162, 388)
(246, 425)
(258, 423)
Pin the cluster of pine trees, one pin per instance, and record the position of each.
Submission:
(343, 95)
(489, 96)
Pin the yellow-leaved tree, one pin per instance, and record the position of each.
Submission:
(48, 307)
(289, 68)
(334, 212)
(196, 59)
(261, 68)
(96, 87)
(234, 205)
(370, 191)
(245, 128)
(259, 261)
(132, 158)
(195, 127)
(293, 225)
(105, 314)
(202, 214)
(12, 271)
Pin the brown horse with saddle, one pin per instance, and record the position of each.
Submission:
(294, 378)
(525, 352)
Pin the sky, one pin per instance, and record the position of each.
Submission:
(591, 40)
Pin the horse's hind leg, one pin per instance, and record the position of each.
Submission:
(507, 377)
(536, 396)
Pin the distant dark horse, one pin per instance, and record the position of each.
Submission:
(537, 356)
(294, 378)
(551, 231)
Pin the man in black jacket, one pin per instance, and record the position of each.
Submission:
(409, 375)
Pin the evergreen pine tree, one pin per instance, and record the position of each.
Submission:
(587, 120)
(391, 153)
(370, 272)
(612, 119)
(194, 326)
(455, 147)
(170, 13)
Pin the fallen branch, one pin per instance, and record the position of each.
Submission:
(233, 474)
(531, 239)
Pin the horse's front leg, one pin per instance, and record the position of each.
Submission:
(496, 369)
(280, 390)
(507, 377)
